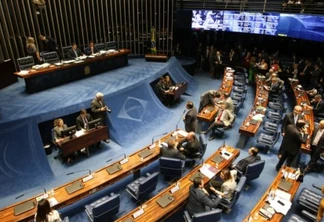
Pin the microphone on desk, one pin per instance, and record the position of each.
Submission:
(31, 192)
(180, 118)
(316, 186)
(158, 135)
(85, 179)
(121, 155)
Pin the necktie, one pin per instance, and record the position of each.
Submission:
(85, 122)
(76, 54)
(220, 115)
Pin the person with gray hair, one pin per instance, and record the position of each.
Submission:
(99, 109)
(190, 145)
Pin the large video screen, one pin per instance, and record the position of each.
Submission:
(276, 24)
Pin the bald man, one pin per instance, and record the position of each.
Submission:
(292, 118)
(190, 145)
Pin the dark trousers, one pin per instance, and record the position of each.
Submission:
(290, 159)
(316, 154)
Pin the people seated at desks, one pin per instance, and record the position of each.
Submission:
(292, 118)
(316, 145)
(74, 52)
(295, 136)
(274, 75)
(83, 119)
(274, 86)
(171, 151)
(225, 98)
(311, 93)
(223, 118)
(207, 99)
(243, 163)
(57, 135)
(162, 88)
(199, 198)
(318, 105)
(91, 49)
(190, 118)
(45, 213)
(32, 50)
(224, 188)
(190, 145)
(168, 82)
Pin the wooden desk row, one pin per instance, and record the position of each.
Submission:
(37, 80)
(301, 97)
(254, 214)
(101, 179)
(247, 129)
(154, 212)
(226, 87)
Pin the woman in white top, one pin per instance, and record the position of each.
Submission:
(226, 188)
(45, 213)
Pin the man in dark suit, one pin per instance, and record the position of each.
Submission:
(295, 135)
(99, 109)
(190, 118)
(74, 52)
(199, 198)
(91, 49)
(316, 145)
(83, 119)
(50, 43)
(190, 145)
(243, 163)
(318, 105)
(208, 99)
(275, 86)
(291, 118)
(171, 151)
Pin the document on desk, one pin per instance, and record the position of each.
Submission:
(206, 171)
(280, 205)
(52, 201)
(182, 133)
(79, 133)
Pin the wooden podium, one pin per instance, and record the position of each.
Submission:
(156, 58)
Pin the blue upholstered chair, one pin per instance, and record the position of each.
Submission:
(213, 215)
(309, 200)
(100, 46)
(51, 57)
(252, 171)
(65, 51)
(296, 218)
(267, 140)
(227, 205)
(103, 208)
(171, 166)
(25, 62)
(111, 45)
(143, 185)
(203, 147)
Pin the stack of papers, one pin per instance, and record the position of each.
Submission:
(206, 171)
(79, 133)
(182, 133)
(281, 203)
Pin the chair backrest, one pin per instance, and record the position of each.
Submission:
(51, 57)
(25, 62)
(213, 215)
(65, 51)
(171, 166)
(110, 206)
(148, 185)
(100, 46)
(203, 144)
(111, 45)
(253, 170)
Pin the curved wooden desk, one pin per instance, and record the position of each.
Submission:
(101, 179)
(248, 130)
(154, 212)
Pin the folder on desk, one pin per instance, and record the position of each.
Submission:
(24, 207)
(145, 153)
(165, 200)
(218, 159)
(128, 220)
(74, 187)
(210, 108)
(114, 168)
(197, 174)
(285, 185)
(253, 121)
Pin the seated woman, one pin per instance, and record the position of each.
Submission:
(57, 135)
(45, 213)
(168, 82)
(226, 187)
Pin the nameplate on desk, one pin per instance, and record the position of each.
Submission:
(24, 207)
(138, 213)
(196, 174)
(123, 161)
(44, 196)
(87, 178)
(165, 200)
(74, 187)
(145, 153)
(175, 189)
(227, 155)
(114, 168)
(152, 146)
(217, 159)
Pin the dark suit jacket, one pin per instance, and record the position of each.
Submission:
(87, 50)
(198, 200)
(80, 123)
(51, 44)
(292, 140)
(289, 119)
(243, 163)
(71, 54)
(319, 108)
(321, 140)
(206, 99)
(172, 153)
(57, 132)
(190, 120)
(190, 147)
(97, 113)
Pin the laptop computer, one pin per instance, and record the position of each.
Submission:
(218, 159)
(285, 185)
(74, 187)
(145, 153)
(165, 200)
(24, 207)
(114, 168)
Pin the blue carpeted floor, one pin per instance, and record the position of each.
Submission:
(200, 83)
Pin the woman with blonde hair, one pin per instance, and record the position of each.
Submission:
(32, 50)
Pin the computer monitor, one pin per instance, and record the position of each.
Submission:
(94, 123)
(70, 131)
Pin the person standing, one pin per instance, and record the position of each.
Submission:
(291, 143)
(291, 118)
(50, 43)
(190, 118)
(99, 110)
(32, 50)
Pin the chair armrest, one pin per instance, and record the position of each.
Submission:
(187, 216)
(148, 174)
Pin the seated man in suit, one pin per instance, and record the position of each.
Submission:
(190, 145)
(274, 86)
(243, 163)
(74, 52)
(318, 105)
(223, 118)
(83, 119)
(171, 151)
(91, 49)
(199, 198)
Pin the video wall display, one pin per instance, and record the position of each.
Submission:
(276, 24)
